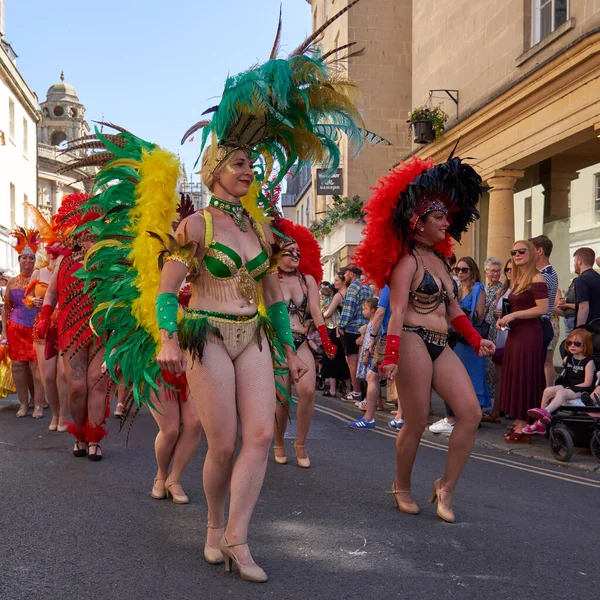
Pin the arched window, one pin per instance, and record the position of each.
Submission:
(58, 137)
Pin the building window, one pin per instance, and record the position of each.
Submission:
(11, 119)
(58, 137)
(26, 214)
(13, 200)
(308, 215)
(528, 219)
(25, 141)
(597, 196)
(546, 16)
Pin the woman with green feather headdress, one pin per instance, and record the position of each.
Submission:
(274, 116)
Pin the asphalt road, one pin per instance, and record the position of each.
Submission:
(73, 529)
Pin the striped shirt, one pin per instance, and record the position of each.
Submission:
(551, 277)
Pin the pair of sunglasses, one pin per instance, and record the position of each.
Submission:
(462, 269)
(573, 343)
(508, 270)
(518, 251)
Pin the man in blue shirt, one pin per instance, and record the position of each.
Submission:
(350, 322)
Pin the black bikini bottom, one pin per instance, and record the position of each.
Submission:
(435, 341)
(299, 339)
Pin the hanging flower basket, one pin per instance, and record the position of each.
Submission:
(427, 124)
(423, 132)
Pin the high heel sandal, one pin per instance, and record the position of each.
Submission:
(446, 514)
(22, 412)
(80, 452)
(280, 460)
(302, 462)
(119, 409)
(247, 573)
(177, 498)
(410, 508)
(94, 457)
(38, 412)
(212, 555)
(161, 494)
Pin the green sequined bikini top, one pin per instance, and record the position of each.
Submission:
(225, 277)
(223, 262)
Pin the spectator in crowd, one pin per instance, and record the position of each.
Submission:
(566, 308)
(472, 301)
(3, 282)
(577, 378)
(493, 271)
(495, 314)
(336, 368)
(550, 325)
(366, 369)
(523, 380)
(350, 322)
(587, 287)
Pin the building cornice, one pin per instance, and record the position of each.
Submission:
(519, 105)
(10, 74)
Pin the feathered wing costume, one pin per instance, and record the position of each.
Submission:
(135, 191)
(401, 197)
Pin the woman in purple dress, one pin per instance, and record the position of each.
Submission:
(523, 379)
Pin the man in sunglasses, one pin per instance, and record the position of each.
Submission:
(550, 325)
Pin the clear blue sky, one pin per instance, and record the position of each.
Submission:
(152, 66)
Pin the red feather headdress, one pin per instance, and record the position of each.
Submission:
(310, 251)
(28, 240)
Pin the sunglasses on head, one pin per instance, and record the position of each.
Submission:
(518, 251)
(462, 269)
(575, 343)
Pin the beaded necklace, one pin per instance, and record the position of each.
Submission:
(234, 209)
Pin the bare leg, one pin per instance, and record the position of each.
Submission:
(20, 373)
(38, 390)
(413, 382)
(63, 392)
(168, 420)
(373, 389)
(189, 438)
(560, 398)
(282, 415)
(47, 371)
(306, 400)
(451, 381)
(255, 389)
(352, 360)
(332, 386)
(75, 366)
(212, 389)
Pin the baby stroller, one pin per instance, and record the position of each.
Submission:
(578, 425)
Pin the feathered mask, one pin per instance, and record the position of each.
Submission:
(310, 251)
(286, 110)
(409, 192)
(28, 240)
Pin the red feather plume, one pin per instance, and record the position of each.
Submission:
(380, 249)
(310, 251)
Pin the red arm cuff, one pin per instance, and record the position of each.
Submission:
(43, 324)
(463, 326)
(392, 344)
(328, 345)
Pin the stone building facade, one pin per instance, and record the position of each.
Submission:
(63, 120)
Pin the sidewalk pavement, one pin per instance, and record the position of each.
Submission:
(492, 436)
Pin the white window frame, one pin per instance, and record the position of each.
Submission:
(25, 138)
(536, 9)
(11, 120)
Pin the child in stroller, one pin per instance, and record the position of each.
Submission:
(576, 379)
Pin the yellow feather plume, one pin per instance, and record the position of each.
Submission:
(154, 211)
(250, 203)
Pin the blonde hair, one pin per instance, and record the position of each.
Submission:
(214, 160)
(522, 277)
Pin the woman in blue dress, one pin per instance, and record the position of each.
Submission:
(472, 301)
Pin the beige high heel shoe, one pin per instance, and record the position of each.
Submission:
(177, 498)
(410, 508)
(213, 556)
(302, 462)
(280, 460)
(247, 572)
(158, 493)
(446, 514)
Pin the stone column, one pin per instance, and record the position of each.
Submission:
(501, 224)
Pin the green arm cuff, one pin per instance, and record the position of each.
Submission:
(166, 312)
(279, 317)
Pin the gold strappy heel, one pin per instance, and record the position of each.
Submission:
(302, 462)
(247, 573)
(177, 498)
(446, 514)
(213, 556)
(160, 494)
(280, 460)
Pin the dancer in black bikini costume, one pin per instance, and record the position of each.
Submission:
(411, 218)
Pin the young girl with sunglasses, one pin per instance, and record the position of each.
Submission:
(577, 378)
